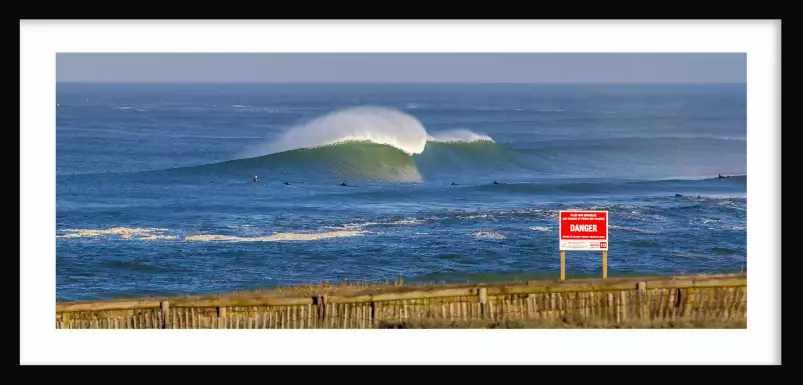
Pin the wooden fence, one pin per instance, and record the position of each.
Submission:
(613, 299)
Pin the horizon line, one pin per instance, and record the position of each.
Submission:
(372, 82)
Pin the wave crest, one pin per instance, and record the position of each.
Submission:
(458, 136)
(373, 124)
(379, 125)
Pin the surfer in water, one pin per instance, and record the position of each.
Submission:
(256, 179)
(721, 177)
(495, 182)
(285, 182)
(343, 184)
(454, 184)
(678, 196)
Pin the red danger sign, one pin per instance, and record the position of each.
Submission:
(583, 230)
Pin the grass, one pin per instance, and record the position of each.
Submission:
(327, 287)
(568, 322)
(313, 288)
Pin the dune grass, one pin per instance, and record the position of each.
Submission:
(313, 288)
(569, 322)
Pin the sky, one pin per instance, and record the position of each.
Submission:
(403, 67)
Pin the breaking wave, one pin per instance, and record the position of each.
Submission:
(359, 143)
(361, 124)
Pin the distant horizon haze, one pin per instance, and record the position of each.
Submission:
(441, 68)
(386, 82)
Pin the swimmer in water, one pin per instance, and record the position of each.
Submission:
(454, 184)
(495, 182)
(285, 182)
(343, 184)
(256, 179)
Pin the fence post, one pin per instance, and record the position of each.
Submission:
(621, 315)
(320, 307)
(165, 314)
(374, 314)
(221, 317)
(483, 294)
(641, 296)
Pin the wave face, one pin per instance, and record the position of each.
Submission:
(363, 160)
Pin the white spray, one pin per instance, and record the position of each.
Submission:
(374, 124)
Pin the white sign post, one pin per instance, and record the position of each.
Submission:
(584, 231)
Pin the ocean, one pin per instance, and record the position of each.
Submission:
(155, 191)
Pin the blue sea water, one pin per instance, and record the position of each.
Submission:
(155, 193)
